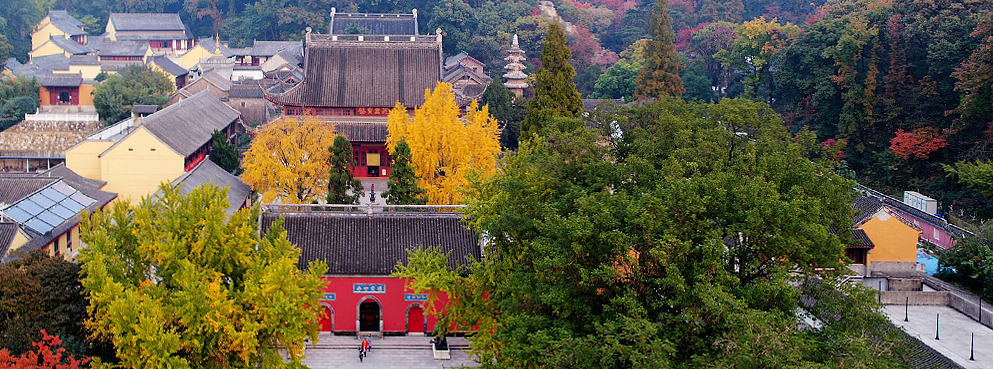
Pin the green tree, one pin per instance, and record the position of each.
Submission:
(39, 292)
(580, 270)
(509, 112)
(970, 262)
(403, 189)
(13, 111)
(134, 84)
(697, 84)
(721, 10)
(341, 180)
(555, 94)
(456, 20)
(978, 176)
(6, 49)
(223, 153)
(659, 75)
(177, 283)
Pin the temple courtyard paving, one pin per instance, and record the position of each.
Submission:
(341, 352)
(955, 333)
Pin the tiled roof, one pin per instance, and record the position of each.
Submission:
(188, 124)
(63, 15)
(95, 42)
(217, 80)
(7, 232)
(365, 74)
(210, 45)
(13, 189)
(861, 239)
(123, 48)
(70, 46)
(168, 65)
(82, 183)
(362, 132)
(374, 24)
(374, 244)
(84, 60)
(147, 22)
(270, 48)
(60, 80)
(208, 172)
(246, 91)
(865, 207)
(144, 109)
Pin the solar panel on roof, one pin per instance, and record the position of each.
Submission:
(17, 214)
(42, 200)
(29, 207)
(72, 205)
(50, 218)
(54, 194)
(82, 199)
(63, 188)
(39, 226)
(62, 211)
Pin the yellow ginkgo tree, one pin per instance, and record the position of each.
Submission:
(288, 160)
(446, 146)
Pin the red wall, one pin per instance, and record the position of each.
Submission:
(393, 306)
(944, 239)
(362, 168)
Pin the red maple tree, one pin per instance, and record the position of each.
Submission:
(919, 143)
(48, 355)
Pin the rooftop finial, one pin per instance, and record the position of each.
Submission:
(515, 39)
(217, 44)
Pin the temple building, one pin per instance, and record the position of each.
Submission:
(361, 251)
(515, 69)
(466, 75)
(353, 80)
(163, 33)
(373, 24)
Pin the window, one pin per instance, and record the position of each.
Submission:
(69, 242)
(937, 235)
(55, 247)
(152, 149)
(243, 104)
(130, 149)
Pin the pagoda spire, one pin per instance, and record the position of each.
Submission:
(515, 69)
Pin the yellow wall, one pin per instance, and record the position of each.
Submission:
(48, 48)
(171, 76)
(894, 239)
(64, 251)
(43, 34)
(88, 72)
(133, 170)
(18, 241)
(86, 94)
(44, 96)
(111, 32)
(192, 58)
(84, 158)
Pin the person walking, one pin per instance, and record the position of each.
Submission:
(361, 354)
(365, 346)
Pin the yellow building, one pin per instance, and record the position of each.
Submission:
(42, 212)
(203, 49)
(57, 24)
(137, 155)
(892, 238)
(59, 45)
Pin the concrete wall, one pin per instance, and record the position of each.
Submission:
(939, 298)
(897, 267)
(905, 284)
(393, 300)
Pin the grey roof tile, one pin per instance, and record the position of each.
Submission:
(374, 24)
(188, 124)
(13, 189)
(365, 74)
(270, 48)
(208, 172)
(84, 60)
(70, 46)
(147, 22)
(123, 48)
(168, 65)
(60, 80)
(373, 244)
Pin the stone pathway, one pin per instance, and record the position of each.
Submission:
(955, 333)
(414, 352)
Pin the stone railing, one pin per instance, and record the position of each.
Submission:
(62, 117)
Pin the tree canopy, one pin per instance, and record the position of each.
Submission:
(659, 76)
(403, 188)
(134, 84)
(223, 153)
(343, 188)
(445, 149)
(289, 160)
(555, 94)
(175, 282)
(678, 246)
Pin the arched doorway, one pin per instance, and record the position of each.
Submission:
(369, 316)
(327, 319)
(65, 98)
(415, 319)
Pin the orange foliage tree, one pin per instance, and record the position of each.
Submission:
(919, 143)
(48, 355)
(444, 147)
(288, 160)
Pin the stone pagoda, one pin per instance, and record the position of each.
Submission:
(515, 69)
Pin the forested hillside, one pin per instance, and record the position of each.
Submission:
(901, 86)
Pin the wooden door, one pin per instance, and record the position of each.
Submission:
(415, 320)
